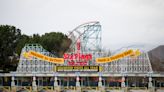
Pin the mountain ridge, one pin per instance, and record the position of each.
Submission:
(156, 57)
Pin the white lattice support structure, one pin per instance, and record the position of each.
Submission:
(89, 35)
(34, 65)
(91, 38)
(140, 64)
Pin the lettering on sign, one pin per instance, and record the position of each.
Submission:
(131, 53)
(43, 57)
(77, 59)
(77, 68)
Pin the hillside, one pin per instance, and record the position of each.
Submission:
(156, 56)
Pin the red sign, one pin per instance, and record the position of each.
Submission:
(78, 56)
(78, 63)
(77, 59)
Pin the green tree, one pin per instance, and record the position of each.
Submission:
(55, 42)
(12, 42)
(25, 39)
(9, 37)
(21, 43)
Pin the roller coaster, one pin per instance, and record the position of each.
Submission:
(88, 35)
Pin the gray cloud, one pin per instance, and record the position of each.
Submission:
(124, 22)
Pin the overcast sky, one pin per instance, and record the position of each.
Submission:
(124, 22)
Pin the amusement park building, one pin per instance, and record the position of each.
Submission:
(81, 70)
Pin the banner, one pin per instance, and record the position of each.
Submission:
(77, 68)
(43, 57)
(131, 53)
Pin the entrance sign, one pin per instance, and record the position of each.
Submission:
(77, 59)
(43, 57)
(77, 68)
(77, 63)
(78, 56)
(130, 52)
